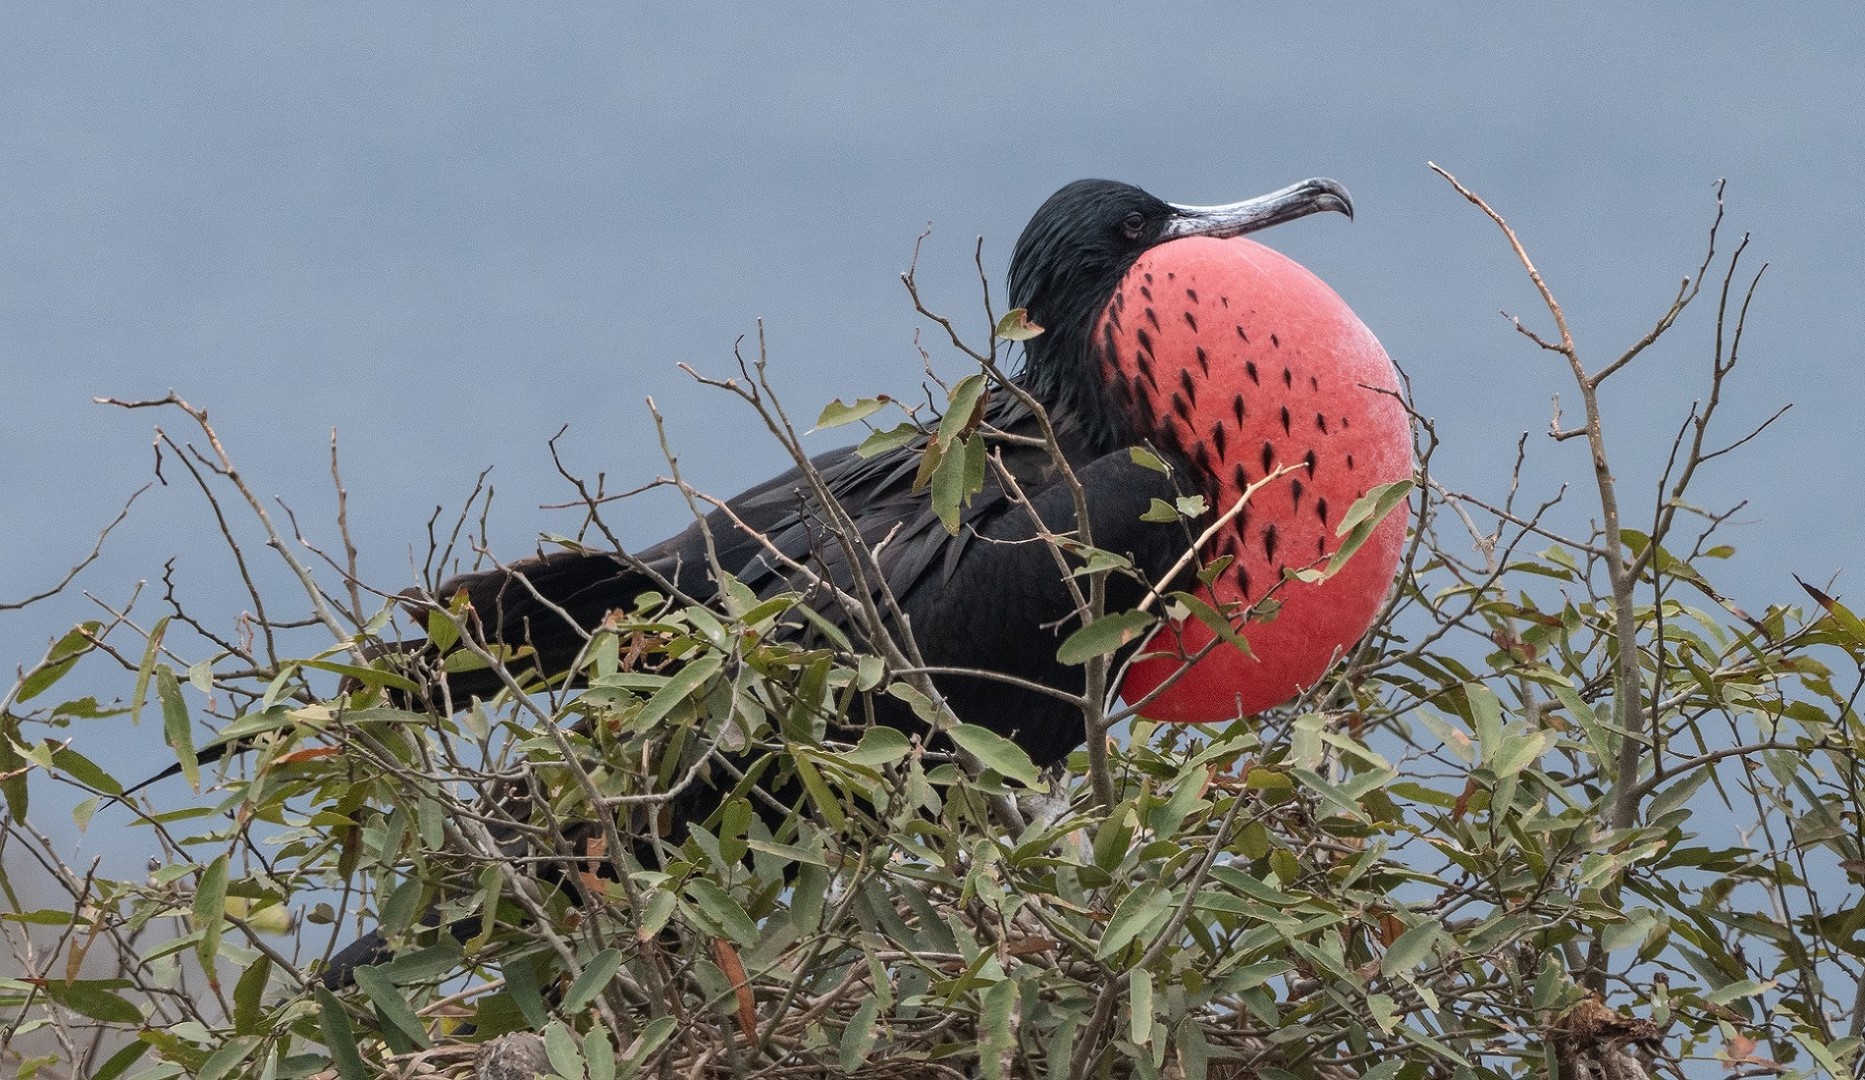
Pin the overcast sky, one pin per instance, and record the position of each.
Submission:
(449, 230)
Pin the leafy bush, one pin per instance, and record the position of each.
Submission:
(1568, 811)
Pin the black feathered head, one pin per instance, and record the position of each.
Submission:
(1074, 253)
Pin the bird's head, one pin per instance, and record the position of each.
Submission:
(1081, 243)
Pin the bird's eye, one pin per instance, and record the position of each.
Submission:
(1133, 224)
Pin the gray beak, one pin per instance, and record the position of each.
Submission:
(1235, 219)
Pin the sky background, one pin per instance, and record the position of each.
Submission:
(447, 231)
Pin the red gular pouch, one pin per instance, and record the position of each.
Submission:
(1252, 367)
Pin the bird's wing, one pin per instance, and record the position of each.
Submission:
(778, 536)
(766, 533)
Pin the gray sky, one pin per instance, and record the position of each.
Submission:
(449, 230)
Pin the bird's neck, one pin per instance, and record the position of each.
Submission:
(1062, 370)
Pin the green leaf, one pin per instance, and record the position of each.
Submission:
(1251, 976)
(958, 476)
(1094, 560)
(999, 1042)
(949, 495)
(1015, 325)
(1576, 706)
(879, 746)
(1630, 934)
(1676, 795)
(1134, 917)
(1194, 1050)
(682, 686)
(1160, 512)
(1723, 995)
(119, 1062)
(963, 411)
(930, 458)
(279, 719)
(249, 997)
(443, 627)
(521, 981)
(1114, 839)
(598, 972)
(339, 1036)
(1828, 1055)
(365, 674)
(723, 915)
(201, 675)
(1384, 1011)
(830, 632)
(869, 671)
(1485, 719)
(40, 917)
(1364, 516)
(61, 658)
(820, 796)
(997, 753)
(599, 1053)
(280, 686)
(1249, 885)
(83, 770)
(176, 728)
(1186, 797)
(1105, 635)
(1411, 949)
(1330, 792)
(404, 902)
(13, 769)
(734, 821)
(394, 1008)
(210, 911)
(146, 669)
(1450, 735)
(1253, 841)
(660, 908)
(1519, 750)
(1222, 628)
(858, 1037)
(1140, 1007)
(174, 1049)
(792, 853)
(1849, 624)
(560, 1047)
(835, 414)
(94, 998)
(891, 439)
(1146, 459)
(644, 1046)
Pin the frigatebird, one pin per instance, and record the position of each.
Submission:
(1130, 353)
(987, 598)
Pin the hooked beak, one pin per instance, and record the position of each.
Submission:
(1234, 219)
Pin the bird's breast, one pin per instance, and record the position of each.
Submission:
(1251, 370)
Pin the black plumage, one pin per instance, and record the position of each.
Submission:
(988, 598)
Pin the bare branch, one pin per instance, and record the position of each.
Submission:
(79, 567)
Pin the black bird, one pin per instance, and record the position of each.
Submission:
(985, 599)
(988, 598)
